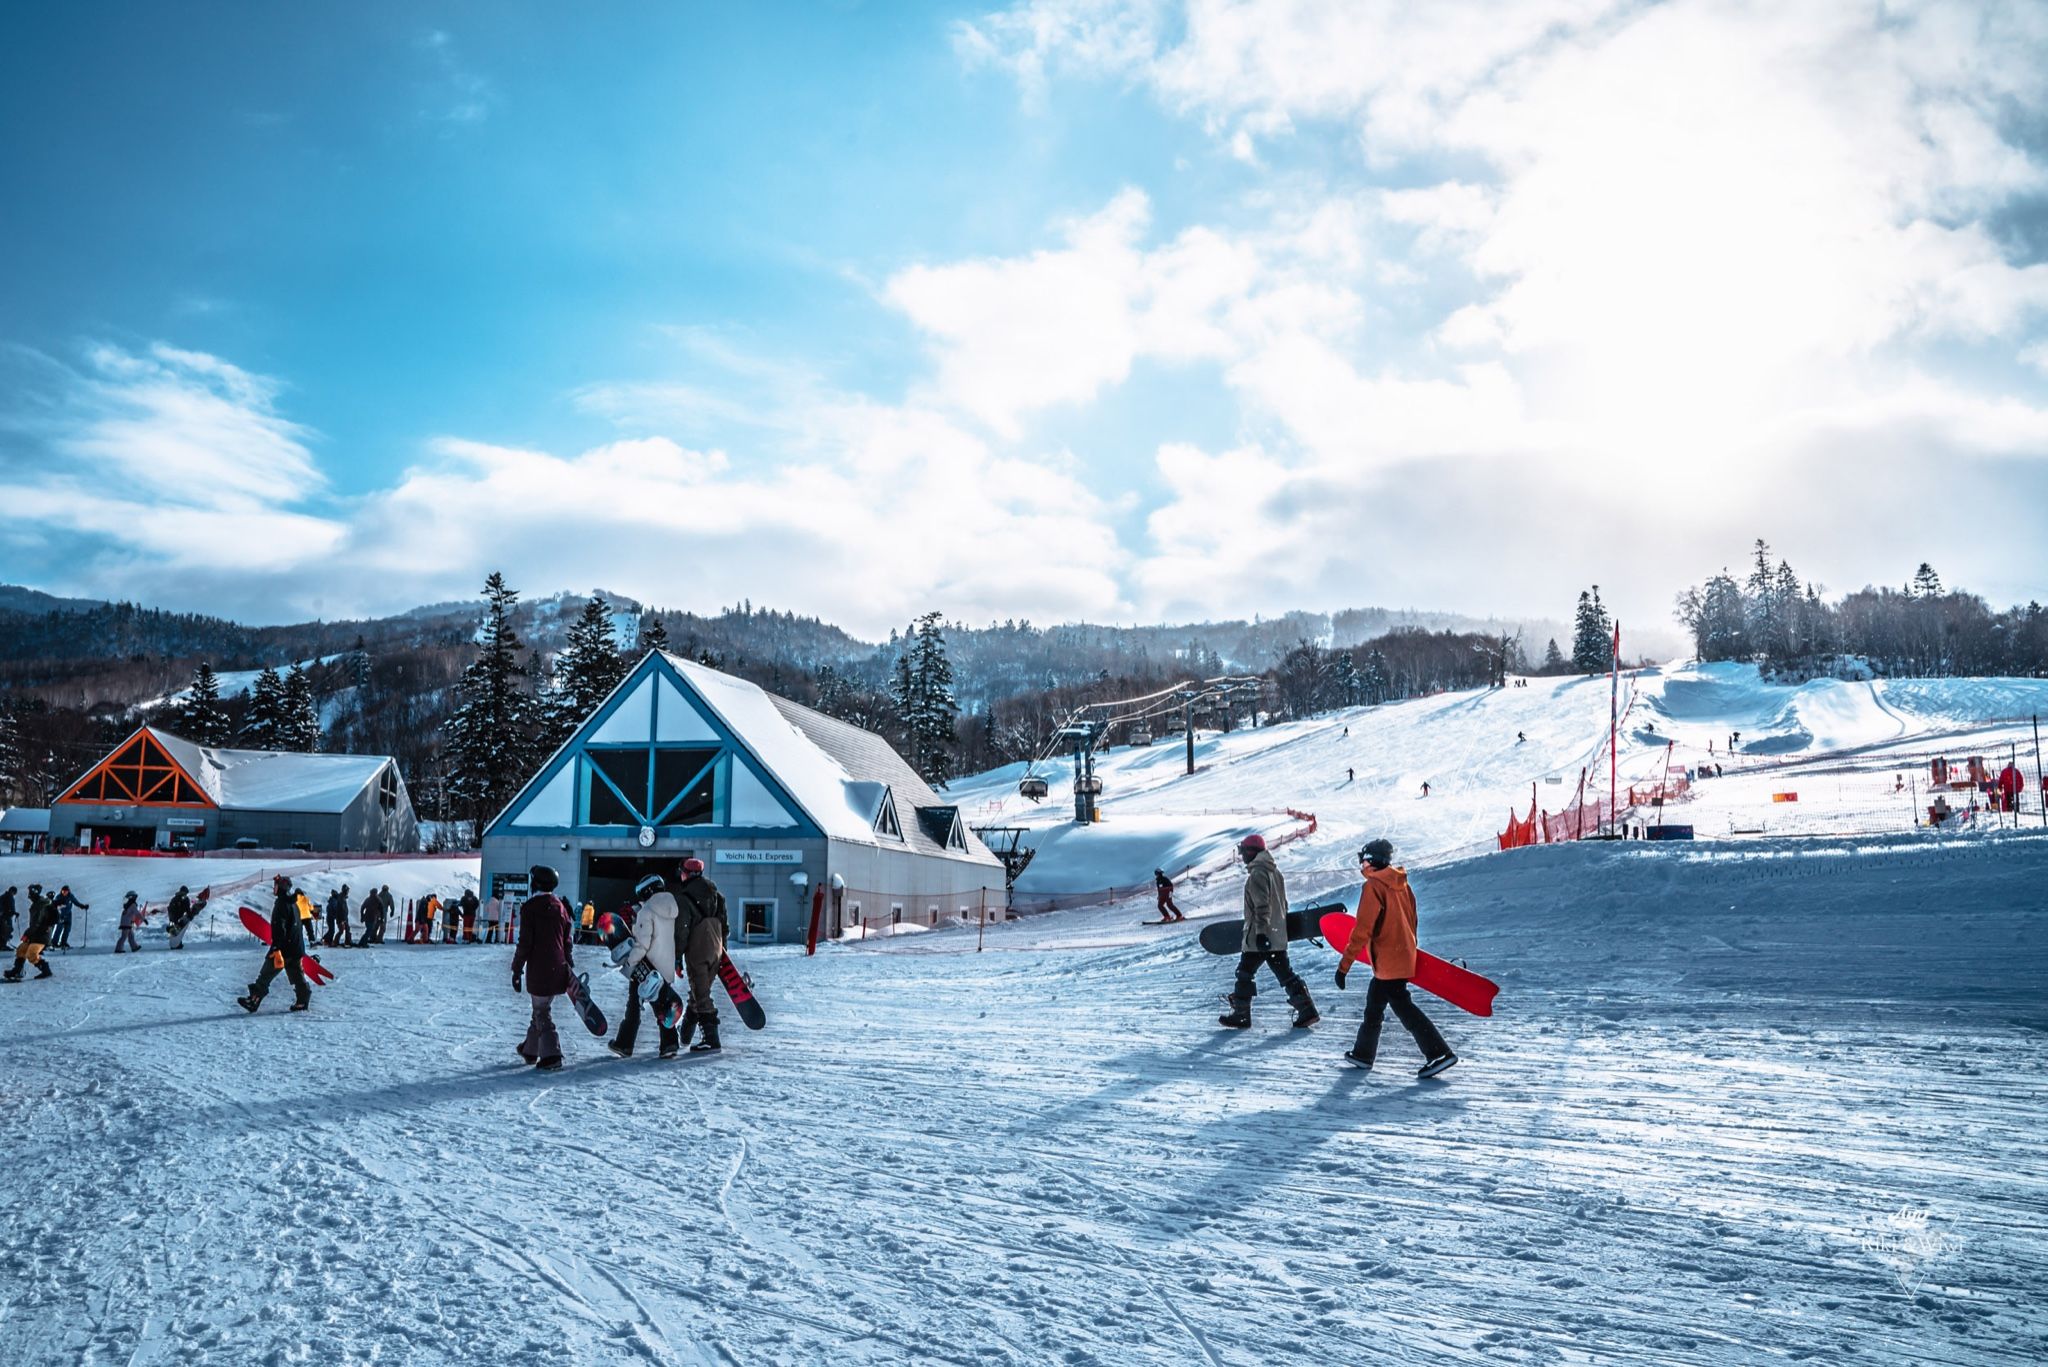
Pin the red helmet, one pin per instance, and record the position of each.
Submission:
(692, 867)
(1254, 841)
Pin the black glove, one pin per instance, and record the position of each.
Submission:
(517, 986)
(1340, 979)
(1265, 943)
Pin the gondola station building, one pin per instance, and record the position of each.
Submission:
(157, 791)
(796, 815)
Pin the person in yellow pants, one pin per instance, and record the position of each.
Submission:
(42, 918)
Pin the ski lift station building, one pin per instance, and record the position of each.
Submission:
(792, 812)
(157, 791)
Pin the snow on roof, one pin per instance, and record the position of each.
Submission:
(271, 780)
(833, 770)
(25, 821)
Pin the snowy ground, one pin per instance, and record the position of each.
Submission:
(1741, 1102)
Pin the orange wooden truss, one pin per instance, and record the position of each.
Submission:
(139, 774)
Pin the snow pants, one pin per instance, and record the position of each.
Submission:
(541, 1041)
(61, 938)
(1244, 989)
(1386, 992)
(1167, 909)
(629, 1028)
(291, 968)
(126, 937)
(700, 960)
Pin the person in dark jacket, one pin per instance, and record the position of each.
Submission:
(700, 929)
(132, 914)
(7, 915)
(42, 918)
(287, 950)
(66, 903)
(469, 906)
(541, 966)
(1163, 885)
(451, 920)
(387, 907)
(373, 912)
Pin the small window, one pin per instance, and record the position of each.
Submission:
(935, 915)
(896, 913)
(885, 821)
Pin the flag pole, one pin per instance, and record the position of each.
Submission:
(1614, 732)
(2038, 779)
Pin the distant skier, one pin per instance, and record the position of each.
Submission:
(289, 915)
(1386, 931)
(544, 959)
(1265, 940)
(1163, 886)
(131, 921)
(469, 906)
(1521, 737)
(1425, 787)
(7, 914)
(654, 944)
(66, 904)
(703, 929)
(35, 937)
(1350, 774)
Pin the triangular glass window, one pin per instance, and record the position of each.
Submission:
(885, 820)
(752, 803)
(631, 722)
(554, 805)
(677, 721)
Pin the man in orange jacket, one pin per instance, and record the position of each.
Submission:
(1386, 932)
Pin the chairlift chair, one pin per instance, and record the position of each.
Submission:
(1033, 787)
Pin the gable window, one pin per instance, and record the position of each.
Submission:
(387, 789)
(885, 820)
(617, 787)
(685, 786)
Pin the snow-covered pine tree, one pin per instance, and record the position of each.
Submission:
(201, 717)
(1592, 635)
(656, 635)
(1553, 658)
(921, 690)
(13, 782)
(1376, 682)
(586, 672)
(490, 738)
(263, 726)
(299, 713)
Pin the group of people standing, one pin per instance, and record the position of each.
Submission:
(49, 927)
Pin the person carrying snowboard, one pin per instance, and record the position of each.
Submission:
(541, 965)
(1265, 940)
(1164, 887)
(35, 937)
(702, 908)
(66, 903)
(131, 921)
(1386, 931)
(654, 944)
(289, 914)
(177, 914)
(7, 914)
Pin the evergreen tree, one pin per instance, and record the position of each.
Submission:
(263, 726)
(586, 672)
(298, 713)
(200, 717)
(1592, 635)
(1553, 658)
(490, 738)
(1377, 684)
(1926, 583)
(656, 635)
(926, 710)
(13, 781)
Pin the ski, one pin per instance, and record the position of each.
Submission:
(258, 925)
(1461, 987)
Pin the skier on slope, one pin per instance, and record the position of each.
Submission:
(131, 921)
(1265, 940)
(1163, 885)
(7, 914)
(289, 914)
(42, 919)
(66, 903)
(654, 944)
(703, 927)
(1386, 931)
(544, 960)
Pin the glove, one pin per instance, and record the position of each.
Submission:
(1341, 973)
(517, 985)
(1265, 943)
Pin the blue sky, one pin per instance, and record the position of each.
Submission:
(1080, 308)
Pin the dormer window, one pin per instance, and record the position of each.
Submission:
(885, 820)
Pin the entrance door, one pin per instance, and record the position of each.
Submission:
(757, 919)
(609, 879)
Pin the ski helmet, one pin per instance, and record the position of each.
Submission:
(648, 886)
(543, 878)
(1378, 853)
(692, 867)
(1253, 842)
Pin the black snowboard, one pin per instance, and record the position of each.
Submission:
(1227, 937)
(586, 1010)
(641, 979)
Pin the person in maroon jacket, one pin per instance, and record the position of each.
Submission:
(545, 960)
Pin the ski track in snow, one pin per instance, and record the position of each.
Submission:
(1726, 1085)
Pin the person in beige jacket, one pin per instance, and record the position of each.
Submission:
(1265, 940)
(654, 944)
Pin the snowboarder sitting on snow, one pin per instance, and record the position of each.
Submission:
(1164, 886)
(544, 959)
(654, 944)
(289, 913)
(66, 902)
(702, 927)
(7, 918)
(131, 921)
(42, 917)
(1265, 940)
(1386, 931)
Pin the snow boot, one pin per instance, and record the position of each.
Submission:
(686, 1029)
(43, 971)
(13, 974)
(249, 1004)
(302, 1006)
(1356, 1062)
(619, 1047)
(709, 1044)
(1305, 1013)
(552, 1063)
(1436, 1065)
(1239, 1017)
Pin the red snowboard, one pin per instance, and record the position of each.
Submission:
(1461, 987)
(317, 973)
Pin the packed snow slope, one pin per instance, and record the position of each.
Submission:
(1846, 750)
(1741, 1102)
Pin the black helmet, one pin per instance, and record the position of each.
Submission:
(648, 886)
(543, 878)
(1378, 853)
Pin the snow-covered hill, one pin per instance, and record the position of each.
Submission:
(1854, 753)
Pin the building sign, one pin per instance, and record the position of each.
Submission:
(184, 823)
(758, 857)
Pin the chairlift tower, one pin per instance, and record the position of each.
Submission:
(1087, 787)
